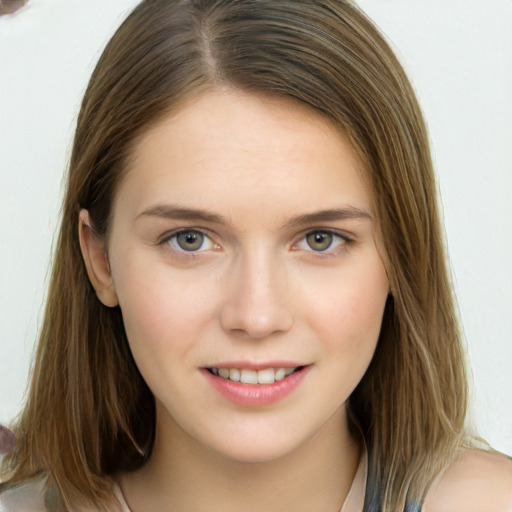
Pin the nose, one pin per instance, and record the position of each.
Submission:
(258, 303)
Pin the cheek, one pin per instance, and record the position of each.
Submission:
(347, 315)
(163, 311)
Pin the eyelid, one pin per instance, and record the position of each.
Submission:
(172, 235)
(343, 237)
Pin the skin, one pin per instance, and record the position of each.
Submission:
(254, 291)
(476, 481)
(257, 290)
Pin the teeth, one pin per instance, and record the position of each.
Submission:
(249, 377)
(234, 374)
(280, 374)
(266, 376)
(224, 372)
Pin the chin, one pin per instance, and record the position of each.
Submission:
(257, 447)
(254, 454)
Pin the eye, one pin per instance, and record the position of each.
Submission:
(321, 241)
(190, 241)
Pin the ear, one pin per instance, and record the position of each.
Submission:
(96, 262)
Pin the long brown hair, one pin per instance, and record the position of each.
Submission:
(89, 415)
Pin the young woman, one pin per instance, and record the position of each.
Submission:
(249, 307)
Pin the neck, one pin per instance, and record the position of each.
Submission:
(183, 475)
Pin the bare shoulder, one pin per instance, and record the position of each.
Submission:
(477, 481)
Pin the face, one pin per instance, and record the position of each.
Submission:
(244, 257)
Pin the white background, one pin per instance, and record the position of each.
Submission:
(459, 56)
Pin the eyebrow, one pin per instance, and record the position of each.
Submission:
(169, 211)
(329, 215)
(174, 212)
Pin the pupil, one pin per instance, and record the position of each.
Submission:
(190, 241)
(319, 241)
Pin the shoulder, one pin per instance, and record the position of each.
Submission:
(35, 496)
(476, 481)
(26, 497)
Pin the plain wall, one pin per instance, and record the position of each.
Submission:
(459, 57)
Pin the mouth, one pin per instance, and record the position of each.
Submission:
(258, 386)
(254, 377)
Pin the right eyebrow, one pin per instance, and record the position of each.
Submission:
(169, 211)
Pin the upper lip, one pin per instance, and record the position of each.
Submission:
(250, 365)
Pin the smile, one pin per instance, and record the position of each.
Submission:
(252, 387)
(247, 376)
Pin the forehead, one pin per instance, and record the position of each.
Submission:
(235, 150)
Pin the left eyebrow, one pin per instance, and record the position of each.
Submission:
(330, 215)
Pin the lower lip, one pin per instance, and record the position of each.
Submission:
(254, 395)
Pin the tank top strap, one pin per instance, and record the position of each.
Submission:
(373, 500)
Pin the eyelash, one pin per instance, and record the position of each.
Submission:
(170, 240)
(342, 241)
